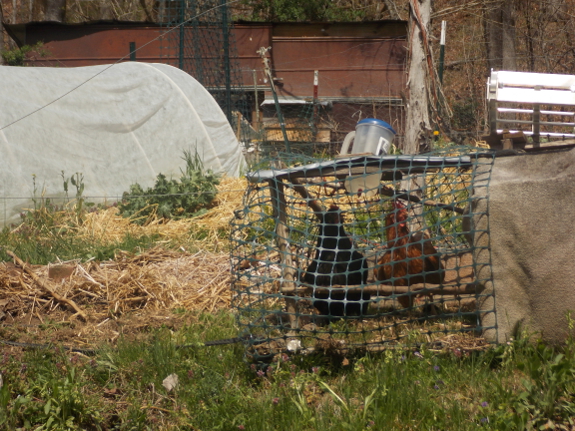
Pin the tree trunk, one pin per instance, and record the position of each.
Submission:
(147, 11)
(1, 34)
(106, 11)
(419, 87)
(529, 37)
(500, 35)
(417, 128)
(55, 10)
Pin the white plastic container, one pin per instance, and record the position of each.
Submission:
(371, 136)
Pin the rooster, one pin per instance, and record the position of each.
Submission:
(410, 258)
(337, 262)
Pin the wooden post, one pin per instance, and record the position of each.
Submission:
(282, 235)
(536, 121)
(256, 103)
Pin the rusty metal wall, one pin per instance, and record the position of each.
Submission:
(250, 38)
(354, 60)
(359, 60)
(92, 44)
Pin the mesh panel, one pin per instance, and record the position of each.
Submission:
(359, 252)
(203, 46)
(318, 129)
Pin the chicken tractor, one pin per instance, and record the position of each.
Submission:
(360, 252)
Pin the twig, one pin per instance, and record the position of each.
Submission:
(311, 201)
(88, 276)
(388, 191)
(44, 287)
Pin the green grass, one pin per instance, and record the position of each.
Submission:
(42, 245)
(520, 385)
(49, 234)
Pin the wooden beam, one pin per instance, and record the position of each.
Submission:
(386, 290)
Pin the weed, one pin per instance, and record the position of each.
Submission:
(77, 180)
(169, 198)
(50, 395)
(17, 56)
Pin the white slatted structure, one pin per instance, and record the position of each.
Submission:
(523, 94)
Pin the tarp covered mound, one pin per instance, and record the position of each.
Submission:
(116, 125)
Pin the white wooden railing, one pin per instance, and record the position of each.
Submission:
(555, 92)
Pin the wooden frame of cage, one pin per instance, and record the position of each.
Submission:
(341, 168)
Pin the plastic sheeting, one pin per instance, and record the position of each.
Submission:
(116, 125)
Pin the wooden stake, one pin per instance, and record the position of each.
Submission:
(387, 289)
(282, 235)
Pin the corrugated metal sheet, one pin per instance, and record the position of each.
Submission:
(348, 67)
(90, 44)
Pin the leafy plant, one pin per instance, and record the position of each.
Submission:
(77, 180)
(172, 199)
(302, 10)
(17, 56)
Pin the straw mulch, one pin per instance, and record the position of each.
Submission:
(155, 280)
(109, 226)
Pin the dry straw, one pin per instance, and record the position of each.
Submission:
(155, 279)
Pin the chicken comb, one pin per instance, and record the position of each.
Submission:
(400, 212)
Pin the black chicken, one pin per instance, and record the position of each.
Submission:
(337, 262)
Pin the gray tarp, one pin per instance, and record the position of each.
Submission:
(116, 125)
(531, 221)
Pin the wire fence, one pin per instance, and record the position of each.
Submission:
(204, 46)
(319, 129)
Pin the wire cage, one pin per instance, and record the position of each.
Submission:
(359, 252)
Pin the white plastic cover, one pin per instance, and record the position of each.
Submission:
(116, 125)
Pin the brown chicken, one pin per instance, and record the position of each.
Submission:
(410, 258)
